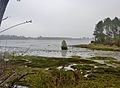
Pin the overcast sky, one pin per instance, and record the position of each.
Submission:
(61, 18)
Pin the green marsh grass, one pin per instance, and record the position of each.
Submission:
(101, 77)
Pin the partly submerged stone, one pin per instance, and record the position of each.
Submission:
(64, 45)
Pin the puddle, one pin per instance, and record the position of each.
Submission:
(19, 86)
(67, 68)
(100, 61)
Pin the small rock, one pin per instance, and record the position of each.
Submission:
(46, 68)
(60, 67)
(95, 66)
(86, 75)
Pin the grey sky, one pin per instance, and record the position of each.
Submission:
(62, 18)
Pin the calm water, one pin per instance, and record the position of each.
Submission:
(51, 48)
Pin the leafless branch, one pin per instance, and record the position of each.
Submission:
(16, 25)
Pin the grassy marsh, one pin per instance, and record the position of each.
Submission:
(87, 73)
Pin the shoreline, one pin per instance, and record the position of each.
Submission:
(98, 47)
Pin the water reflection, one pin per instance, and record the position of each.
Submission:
(64, 53)
(19, 86)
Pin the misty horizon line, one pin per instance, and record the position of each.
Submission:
(40, 37)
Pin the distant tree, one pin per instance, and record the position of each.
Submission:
(98, 33)
(107, 28)
(116, 30)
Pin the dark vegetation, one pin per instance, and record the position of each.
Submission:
(108, 32)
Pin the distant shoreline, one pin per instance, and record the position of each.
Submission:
(15, 37)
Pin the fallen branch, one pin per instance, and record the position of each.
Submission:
(17, 79)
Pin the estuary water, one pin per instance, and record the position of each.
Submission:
(52, 48)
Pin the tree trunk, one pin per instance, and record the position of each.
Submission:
(3, 4)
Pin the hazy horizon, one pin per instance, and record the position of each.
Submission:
(45, 36)
(58, 18)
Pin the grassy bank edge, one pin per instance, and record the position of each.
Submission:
(98, 47)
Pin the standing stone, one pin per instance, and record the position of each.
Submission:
(64, 45)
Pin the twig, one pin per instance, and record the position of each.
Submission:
(16, 25)
(18, 79)
(26, 50)
(5, 18)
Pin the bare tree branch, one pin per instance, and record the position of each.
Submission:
(16, 25)
(5, 18)
(3, 5)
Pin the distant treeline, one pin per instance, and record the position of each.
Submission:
(15, 37)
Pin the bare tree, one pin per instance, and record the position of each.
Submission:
(3, 5)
